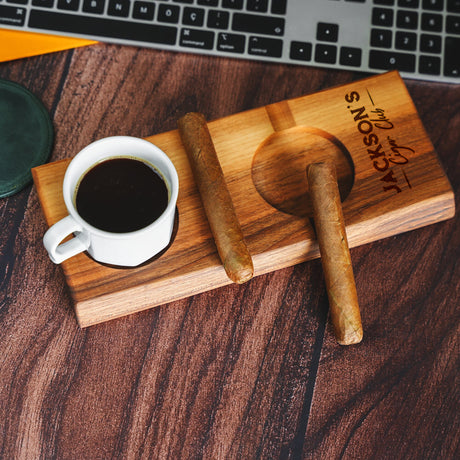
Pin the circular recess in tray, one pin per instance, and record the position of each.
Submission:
(280, 163)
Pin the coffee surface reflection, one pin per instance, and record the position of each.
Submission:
(121, 195)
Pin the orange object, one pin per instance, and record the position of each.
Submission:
(21, 44)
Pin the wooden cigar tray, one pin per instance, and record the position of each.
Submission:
(389, 174)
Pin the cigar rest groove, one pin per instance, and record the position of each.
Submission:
(412, 191)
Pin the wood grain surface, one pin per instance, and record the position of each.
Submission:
(239, 372)
(400, 189)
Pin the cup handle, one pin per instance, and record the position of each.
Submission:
(58, 251)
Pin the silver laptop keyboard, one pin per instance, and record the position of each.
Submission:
(420, 38)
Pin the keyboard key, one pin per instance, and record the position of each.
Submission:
(208, 2)
(260, 6)
(231, 43)
(18, 2)
(168, 13)
(452, 57)
(12, 15)
(390, 60)
(101, 27)
(118, 8)
(43, 3)
(430, 43)
(183, 1)
(279, 7)
(453, 6)
(143, 10)
(433, 5)
(406, 41)
(326, 54)
(70, 5)
(382, 17)
(453, 25)
(300, 51)
(193, 16)
(429, 65)
(262, 46)
(381, 38)
(327, 32)
(258, 24)
(432, 22)
(408, 3)
(233, 4)
(93, 6)
(218, 19)
(350, 56)
(193, 38)
(407, 19)
(384, 2)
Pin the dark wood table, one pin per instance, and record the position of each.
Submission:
(240, 372)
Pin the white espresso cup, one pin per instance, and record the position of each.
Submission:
(129, 248)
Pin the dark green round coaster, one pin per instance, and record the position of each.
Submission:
(26, 136)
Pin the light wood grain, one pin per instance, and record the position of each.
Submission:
(406, 189)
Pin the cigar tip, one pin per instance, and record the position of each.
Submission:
(239, 269)
(241, 275)
(244, 276)
(351, 338)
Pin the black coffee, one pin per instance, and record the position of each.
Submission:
(121, 195)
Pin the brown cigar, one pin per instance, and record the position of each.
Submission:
(215, 197)
(335, 254)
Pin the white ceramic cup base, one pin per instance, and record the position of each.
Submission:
(123, 249)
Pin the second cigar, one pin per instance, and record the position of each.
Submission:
(215, 197)
(335, 254)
